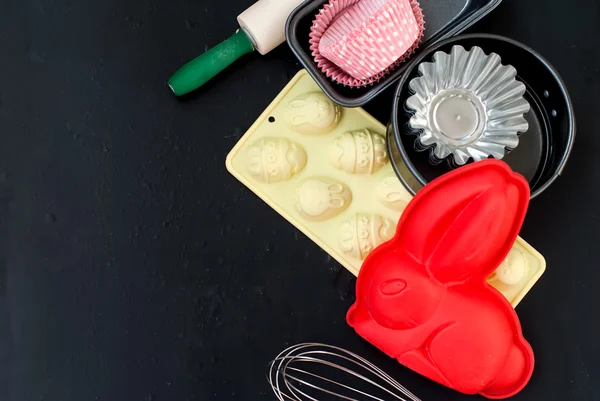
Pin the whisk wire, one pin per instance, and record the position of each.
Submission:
(333, 382)
(284, 376)
(318, 388)
(302, 358)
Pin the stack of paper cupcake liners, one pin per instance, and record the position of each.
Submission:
(367, 36)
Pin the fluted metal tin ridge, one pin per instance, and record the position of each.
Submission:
(467, 104)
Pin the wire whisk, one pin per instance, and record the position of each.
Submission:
(319, 372)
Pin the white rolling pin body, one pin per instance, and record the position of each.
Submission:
(264, 23)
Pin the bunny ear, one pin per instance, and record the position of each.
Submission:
(463, 224)
(297, 104)
(299, 119)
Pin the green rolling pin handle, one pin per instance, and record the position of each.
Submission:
(204, 67)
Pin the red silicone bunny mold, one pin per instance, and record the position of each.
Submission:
(422, 297)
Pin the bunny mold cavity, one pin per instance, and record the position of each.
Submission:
(313, 113)
(322, 198)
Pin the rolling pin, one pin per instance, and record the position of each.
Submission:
(262, 29)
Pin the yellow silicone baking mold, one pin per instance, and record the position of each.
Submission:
(326, 170)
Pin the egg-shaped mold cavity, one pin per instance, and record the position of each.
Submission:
(313, 113)
(365, 232)
(322, 198)
(392, 193)
(273, 160)
(513, 270)
(358, 152)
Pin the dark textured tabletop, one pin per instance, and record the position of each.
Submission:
(133, 267)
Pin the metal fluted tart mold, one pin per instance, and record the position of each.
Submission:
(467, 105)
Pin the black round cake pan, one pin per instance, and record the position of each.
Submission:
(543, 150)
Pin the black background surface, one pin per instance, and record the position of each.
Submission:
(134, 267)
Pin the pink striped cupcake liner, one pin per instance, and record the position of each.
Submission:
(358, 42)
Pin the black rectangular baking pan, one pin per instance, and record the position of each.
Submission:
(443, 19)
